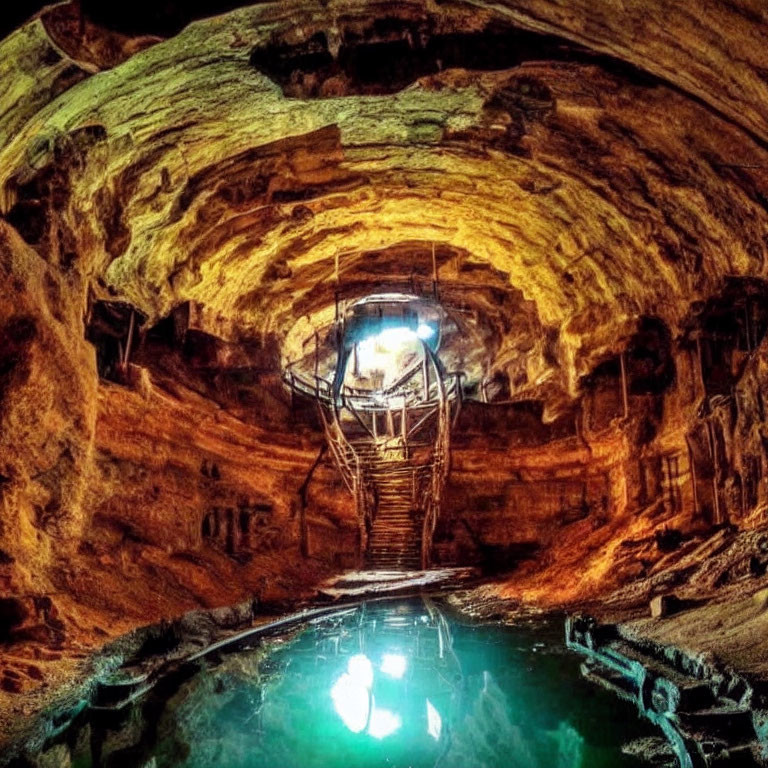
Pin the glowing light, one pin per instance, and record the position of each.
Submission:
(393, 664)
(352, 702)
(425, 331)
(371, 349)
(395, 337)
(351, 693)
(366, 352)
(360, 670)
(434, 721)
(352, 697)
(383, 723)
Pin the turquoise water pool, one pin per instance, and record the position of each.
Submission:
(387, 685)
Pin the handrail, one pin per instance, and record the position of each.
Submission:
(369, 462)
(365, 399)
(439, 463)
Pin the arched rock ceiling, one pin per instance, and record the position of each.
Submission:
(599, 193)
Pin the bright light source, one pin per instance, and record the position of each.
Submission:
(425, 331)
(351, 700)
(395, 337)
(360, 670)
(372, 349)
(393, 664)
(366, 352)
(434, 721)
(383, 723)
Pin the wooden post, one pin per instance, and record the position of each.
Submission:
(390, 423)
(692, 466)
(624, 392)
(434, 273)
(404, 423)
(131, 326)
(701, 366)
(317, 353)
(670, 488)
(425, 377)
(373, 421)
(715, 469)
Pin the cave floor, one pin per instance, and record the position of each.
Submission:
(366, 584)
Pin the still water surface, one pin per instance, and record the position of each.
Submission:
(386, 685)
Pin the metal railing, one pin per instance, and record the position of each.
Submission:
(385, 458)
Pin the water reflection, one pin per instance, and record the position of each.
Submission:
(384, 685)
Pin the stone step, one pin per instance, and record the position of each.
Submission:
(387, 524)
(393, 553)
(399, 540)
(389, 553)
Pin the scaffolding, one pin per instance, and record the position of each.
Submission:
(392, 447)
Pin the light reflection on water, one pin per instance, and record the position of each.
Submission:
(402, 684)
(389, 685)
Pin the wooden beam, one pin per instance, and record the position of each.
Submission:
(624, 390)
(715, 469)
(129, 341)
(701, 366)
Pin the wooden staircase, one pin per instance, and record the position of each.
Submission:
(394, 540)
(394, 460)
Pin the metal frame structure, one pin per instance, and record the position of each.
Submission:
(392, 443)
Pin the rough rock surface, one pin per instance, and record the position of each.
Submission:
(586, 185)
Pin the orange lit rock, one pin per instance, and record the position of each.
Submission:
(585, 187)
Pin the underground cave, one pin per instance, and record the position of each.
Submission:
(383, 383)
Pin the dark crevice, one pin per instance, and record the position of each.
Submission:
(726, 329)
(393, 53)
(109, 329)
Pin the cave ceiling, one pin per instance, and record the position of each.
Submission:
(569, 168)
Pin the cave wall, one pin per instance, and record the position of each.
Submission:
(48, 387)
(172, 470)
(590, 206)
(129, 500)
